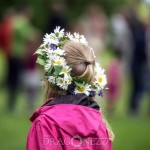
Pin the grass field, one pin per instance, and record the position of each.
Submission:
(131, 133)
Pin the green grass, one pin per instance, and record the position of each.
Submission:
(13, 131)
(131, 133)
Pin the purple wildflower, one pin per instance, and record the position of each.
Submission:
(92, 93)
(53, 47)
(100, 93)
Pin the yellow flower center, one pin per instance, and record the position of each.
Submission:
(82, 89)
(64, 71)
(94, 87)
(53, 62)
(67, 81)
(58, 62)
(61, 81)
(100, 79)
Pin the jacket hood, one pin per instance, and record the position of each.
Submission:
(72, 114)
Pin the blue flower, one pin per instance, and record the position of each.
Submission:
(92, 93)
(100, 93)
(53, 46)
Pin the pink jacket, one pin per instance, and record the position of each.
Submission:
(67, 127)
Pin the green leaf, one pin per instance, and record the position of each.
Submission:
(79, 84)
(57, 34)
(50, 71)
(85, 81)
(40, 61)
(80, 81)
(39, 52)
(58, 69)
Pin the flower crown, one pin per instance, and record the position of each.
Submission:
(50, 56)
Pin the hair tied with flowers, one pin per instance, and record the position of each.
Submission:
(58, 73)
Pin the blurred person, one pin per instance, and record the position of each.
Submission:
(139, 59)
(31, 74)
(122, 39)
(147, 74)
(70, 118)
(6, 32)
(22, 33)
(148, 41)
(93, 24)
(57, 17)
(114, 83)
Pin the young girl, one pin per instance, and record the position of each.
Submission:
(71, 118)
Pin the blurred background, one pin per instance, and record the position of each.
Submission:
(118, 31)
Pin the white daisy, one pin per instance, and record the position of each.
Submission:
(51, 56)
(46, 39)
(47, 66)
(69, 35)
(49, 39)
(63, 82)
(85, 89)
(59, 82)
(58, 32)
(67, 80)
(96, 87)
(57, 60)
(76, 35)
(83, 40)
(101, 79)
(53, 41)
(58, 51)
(65, 71)
(98, 68)
(51, 79)
(53, 36)
(54, 60)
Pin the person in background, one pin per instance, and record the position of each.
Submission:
(139, 59)
(93, 24)
(6, 33)
(114, 83)
(31, 74)
(57, 16)
(22, 33)
(122, 39)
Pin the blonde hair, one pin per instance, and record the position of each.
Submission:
(77, 55)
(109, 129)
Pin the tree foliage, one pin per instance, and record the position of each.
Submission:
(74, 8)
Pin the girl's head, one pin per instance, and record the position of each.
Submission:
(69, 65)
(80, 58)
